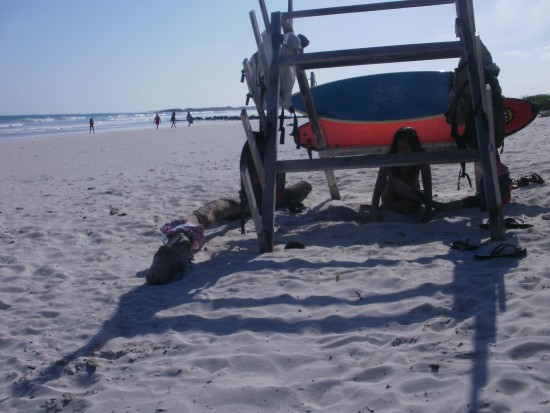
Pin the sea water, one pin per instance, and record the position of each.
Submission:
(47, 125)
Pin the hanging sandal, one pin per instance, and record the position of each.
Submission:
(463, 246)
(503, 250)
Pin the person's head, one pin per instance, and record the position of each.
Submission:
(406, 140)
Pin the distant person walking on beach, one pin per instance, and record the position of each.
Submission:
(189, 118)
(157, 120)
(173, 120)
(92, 125)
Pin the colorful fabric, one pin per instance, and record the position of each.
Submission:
(195, 233)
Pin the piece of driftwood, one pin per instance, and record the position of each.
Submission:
(171, 259)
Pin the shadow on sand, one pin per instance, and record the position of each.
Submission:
(478, 296)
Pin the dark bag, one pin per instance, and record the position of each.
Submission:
(461, 112)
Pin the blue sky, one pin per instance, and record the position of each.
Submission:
(76, 56)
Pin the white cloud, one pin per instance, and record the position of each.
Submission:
(545, 53)
(512, 21)
(517, 53)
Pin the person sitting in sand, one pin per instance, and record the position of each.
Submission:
(398, 187)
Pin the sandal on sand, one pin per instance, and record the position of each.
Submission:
(526, 179)
(510, 223)
(503, 250)
(535, 178)
(523, 181)
(464, 246)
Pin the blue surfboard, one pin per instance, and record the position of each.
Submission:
(382, 97)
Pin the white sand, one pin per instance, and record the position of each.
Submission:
(372, 317)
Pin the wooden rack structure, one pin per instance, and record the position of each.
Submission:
(469, 46)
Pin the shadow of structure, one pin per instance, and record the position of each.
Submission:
(479, 296)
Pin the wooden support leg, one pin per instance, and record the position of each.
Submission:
(253, 147)
(316, 128)
(270, 159)
(254, 211)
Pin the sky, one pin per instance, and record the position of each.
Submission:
(76, 56)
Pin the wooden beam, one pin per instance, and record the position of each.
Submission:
(254, 211)
(270, 158)
(259, 44)
(253, 89)
(472, 51)
(390, 5)
(378, 160)
(375, 55)
(265, 15)
(253, 147)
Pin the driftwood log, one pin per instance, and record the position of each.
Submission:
(170, 260)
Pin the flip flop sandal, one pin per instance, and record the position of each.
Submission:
(297, 208)
(512, 223)
(523, 181)
(504, 250)
(463, 246)
(535, 178)
(509, 223)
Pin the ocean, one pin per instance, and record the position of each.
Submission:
(46, 125)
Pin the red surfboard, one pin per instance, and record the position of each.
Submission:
(433, 129)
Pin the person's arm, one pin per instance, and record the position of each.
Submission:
(427, 186)
(377, 192)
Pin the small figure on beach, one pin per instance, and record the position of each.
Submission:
(189, 118)
(173, 120)
(157, 120)
(398, 187)
(92, 125)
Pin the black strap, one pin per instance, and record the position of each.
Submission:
(462, 174)
(244, 201)
(282, 127)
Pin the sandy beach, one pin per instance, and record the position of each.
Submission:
(369, 317)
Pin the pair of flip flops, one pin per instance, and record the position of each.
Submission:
(501, 250)
(493, 250)
(510, 223)
(526, 180)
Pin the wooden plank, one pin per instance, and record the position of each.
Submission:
(265, 15)
(259, 44)
(253, 147)
(270, 159)
(365, 8)
(377, 161)
(370, 150)
(254, 211)
(374, 55)
(255, 94)
(316, 128)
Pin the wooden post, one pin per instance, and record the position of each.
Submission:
(475, 73)
(265, 16)
(259, 44)
(270, 159)
(253, 147)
